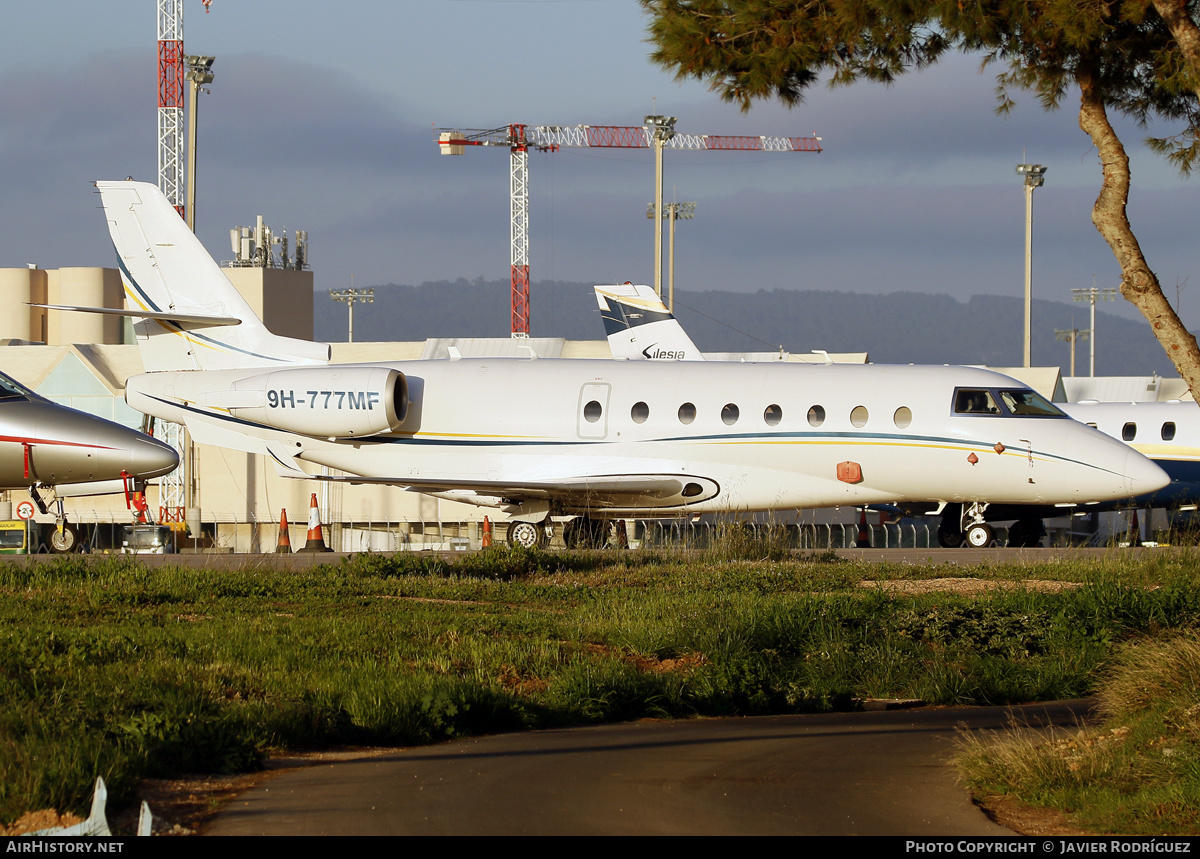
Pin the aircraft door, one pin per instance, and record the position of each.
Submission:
(592, 413)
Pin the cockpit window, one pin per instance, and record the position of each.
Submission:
(11, 389)
(1029, 404)
(1019, 402)
(974, 401)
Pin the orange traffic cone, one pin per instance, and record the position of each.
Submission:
(1135, 530)
(486, 540)
(316, 540)
(284, 545)
(864, 538)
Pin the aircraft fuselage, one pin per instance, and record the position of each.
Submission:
(629, 438)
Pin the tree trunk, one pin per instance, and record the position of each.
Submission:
(1186, 33)
(1138, 283)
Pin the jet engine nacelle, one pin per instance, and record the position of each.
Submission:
(330, 402)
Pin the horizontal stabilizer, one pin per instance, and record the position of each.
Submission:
(194, 320)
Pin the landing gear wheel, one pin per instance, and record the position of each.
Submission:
(527, 535)
(64, 543)
(950, 539)
(979, 536)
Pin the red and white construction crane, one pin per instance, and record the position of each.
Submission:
(170, 102)
(174, 489)
(171, 76)
(658, 133)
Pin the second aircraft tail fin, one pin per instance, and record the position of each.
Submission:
(639, 326)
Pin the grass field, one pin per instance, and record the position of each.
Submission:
(108, 668)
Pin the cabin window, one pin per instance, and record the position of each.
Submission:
(1129, 431)
(640, 412)
(903, 417)
(1168, 431)
(816, 416)
(687, 413)
(974, 401)
(773, 415)
(729, 414)
(592, 411)
(858, 417)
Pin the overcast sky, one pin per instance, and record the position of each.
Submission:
(321, 117)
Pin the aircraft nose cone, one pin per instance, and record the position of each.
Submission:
(1143, 475)
(149, 457)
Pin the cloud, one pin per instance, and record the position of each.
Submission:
(915, 191)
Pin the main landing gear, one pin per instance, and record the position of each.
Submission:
(530, 535)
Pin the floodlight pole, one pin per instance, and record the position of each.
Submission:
(1072, 336)
(350, 296)
(198, 72)
(662, 129)
(674, 211)
(1035, 177)
(1092, 295)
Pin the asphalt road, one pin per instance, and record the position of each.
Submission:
(873, 773)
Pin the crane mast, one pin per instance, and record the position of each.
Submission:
(170, 102)
(549, 138)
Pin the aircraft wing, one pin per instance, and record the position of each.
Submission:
(643, 484)
(592, 492)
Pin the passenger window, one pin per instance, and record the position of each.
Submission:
(592, 411)
(816, 416)
(639, 413)
(687, 413)
(970, 401)
(729, 414)
(1129, 431)
(858, 417)
(903, 417)
(1168, 431)
(773, 415)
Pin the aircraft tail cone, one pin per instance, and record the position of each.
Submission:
(486, 540)
(316, 539)
(284, 545)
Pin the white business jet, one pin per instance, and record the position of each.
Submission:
(640, 327)
(599, 440)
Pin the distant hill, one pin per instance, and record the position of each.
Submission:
(898, 328)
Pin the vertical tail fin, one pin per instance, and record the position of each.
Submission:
(640, 327)
(165, 269)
